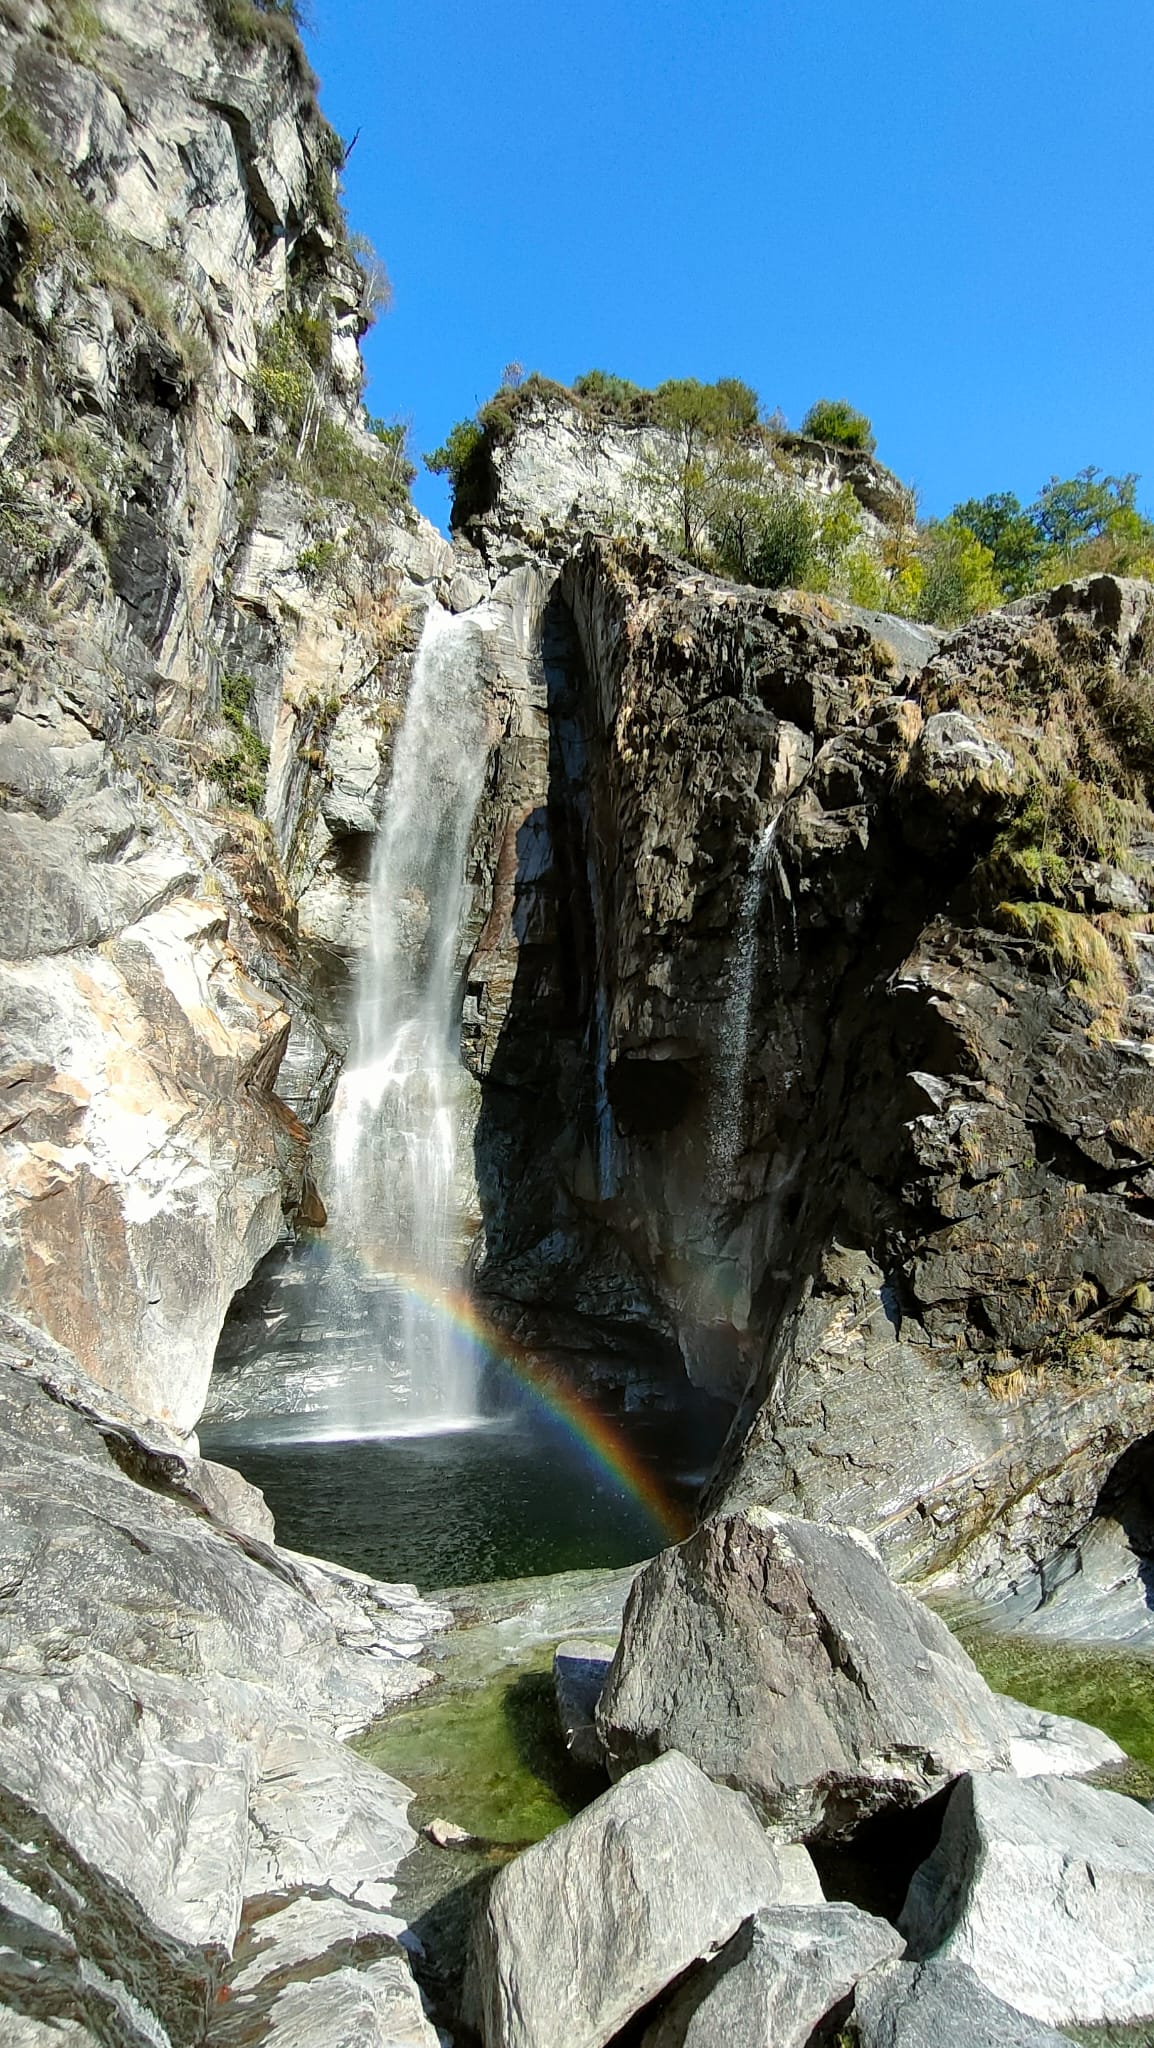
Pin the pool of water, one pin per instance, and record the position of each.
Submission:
(517, 1492)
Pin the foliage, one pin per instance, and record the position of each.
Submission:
(376, 284)
(315, 561)
(456, 452)
(1011, 535)
(1077, 526)
(608, 393)
(326, 456)
(258, 21)
(835, 420)
(698, 463)
(958, 575)
(765, 537)
(242, 765)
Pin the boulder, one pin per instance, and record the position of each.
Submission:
(1046, 1889)
(922, 2005)
(579, 1673)
(781, 1657)
(587, 1927)
(783, 1971)
(321, 1973)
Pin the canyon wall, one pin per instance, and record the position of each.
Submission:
(203, 639)
(777, 1091)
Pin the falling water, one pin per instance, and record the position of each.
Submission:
(393, 1202)
(727, 1127)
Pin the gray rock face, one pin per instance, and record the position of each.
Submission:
(781, 1657)
(585, 1928)
(172, 1691)
(150, 967)
(834, 1126)
(1046, 1890)
(925, 2005)
(777, 1979)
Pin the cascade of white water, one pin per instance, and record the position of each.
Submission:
(393, 1204)
(727, 1124)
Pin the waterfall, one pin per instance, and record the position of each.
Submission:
(727, 1125)
(393, 1207)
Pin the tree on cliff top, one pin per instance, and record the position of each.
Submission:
(703, 426)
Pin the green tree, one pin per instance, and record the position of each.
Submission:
(958, 575)
(1012, 535)
(765, 536)
(703, 426)
(1091, 522)
(834, 419)
(456, 451)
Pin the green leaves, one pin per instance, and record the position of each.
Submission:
(834, 419)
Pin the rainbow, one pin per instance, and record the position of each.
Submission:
(599, 1437)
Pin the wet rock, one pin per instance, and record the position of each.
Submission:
(923, 2005)
(585, 1928)
(1046, 1890)
(782, 1658)
(579, 1673)
(777, 1979)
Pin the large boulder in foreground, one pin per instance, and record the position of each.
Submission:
(926, 2005)
(586, 1927)
(781, 1974)
(1046, 1890)
(782, 1658)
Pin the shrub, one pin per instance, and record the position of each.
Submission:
(608, 393)
(959, 576)
(1010, 534)
(767, 537)
(835, 420)
(242, 765)
(456, 452)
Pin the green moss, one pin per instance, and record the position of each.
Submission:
(1112, 1689)
(1071, 945)
(489, 1757)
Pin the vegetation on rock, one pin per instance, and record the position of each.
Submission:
(835, 420)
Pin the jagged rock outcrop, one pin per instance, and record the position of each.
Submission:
(783, 1660)
(208, 584)
(581, 1931)
(778, 1979)
(805, 1068)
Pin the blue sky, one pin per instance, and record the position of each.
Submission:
(940, 211)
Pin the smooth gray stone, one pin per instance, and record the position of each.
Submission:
(781, 1657)
(579, 1673)
(941, 2005)
(589, 1925)
(324, 1973)
(779, 1976)
(1045, 1887)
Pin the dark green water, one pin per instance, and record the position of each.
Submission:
(517, 1495)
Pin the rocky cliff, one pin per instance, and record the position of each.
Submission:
(810, 1007)
(805, 966)
(206, 579)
